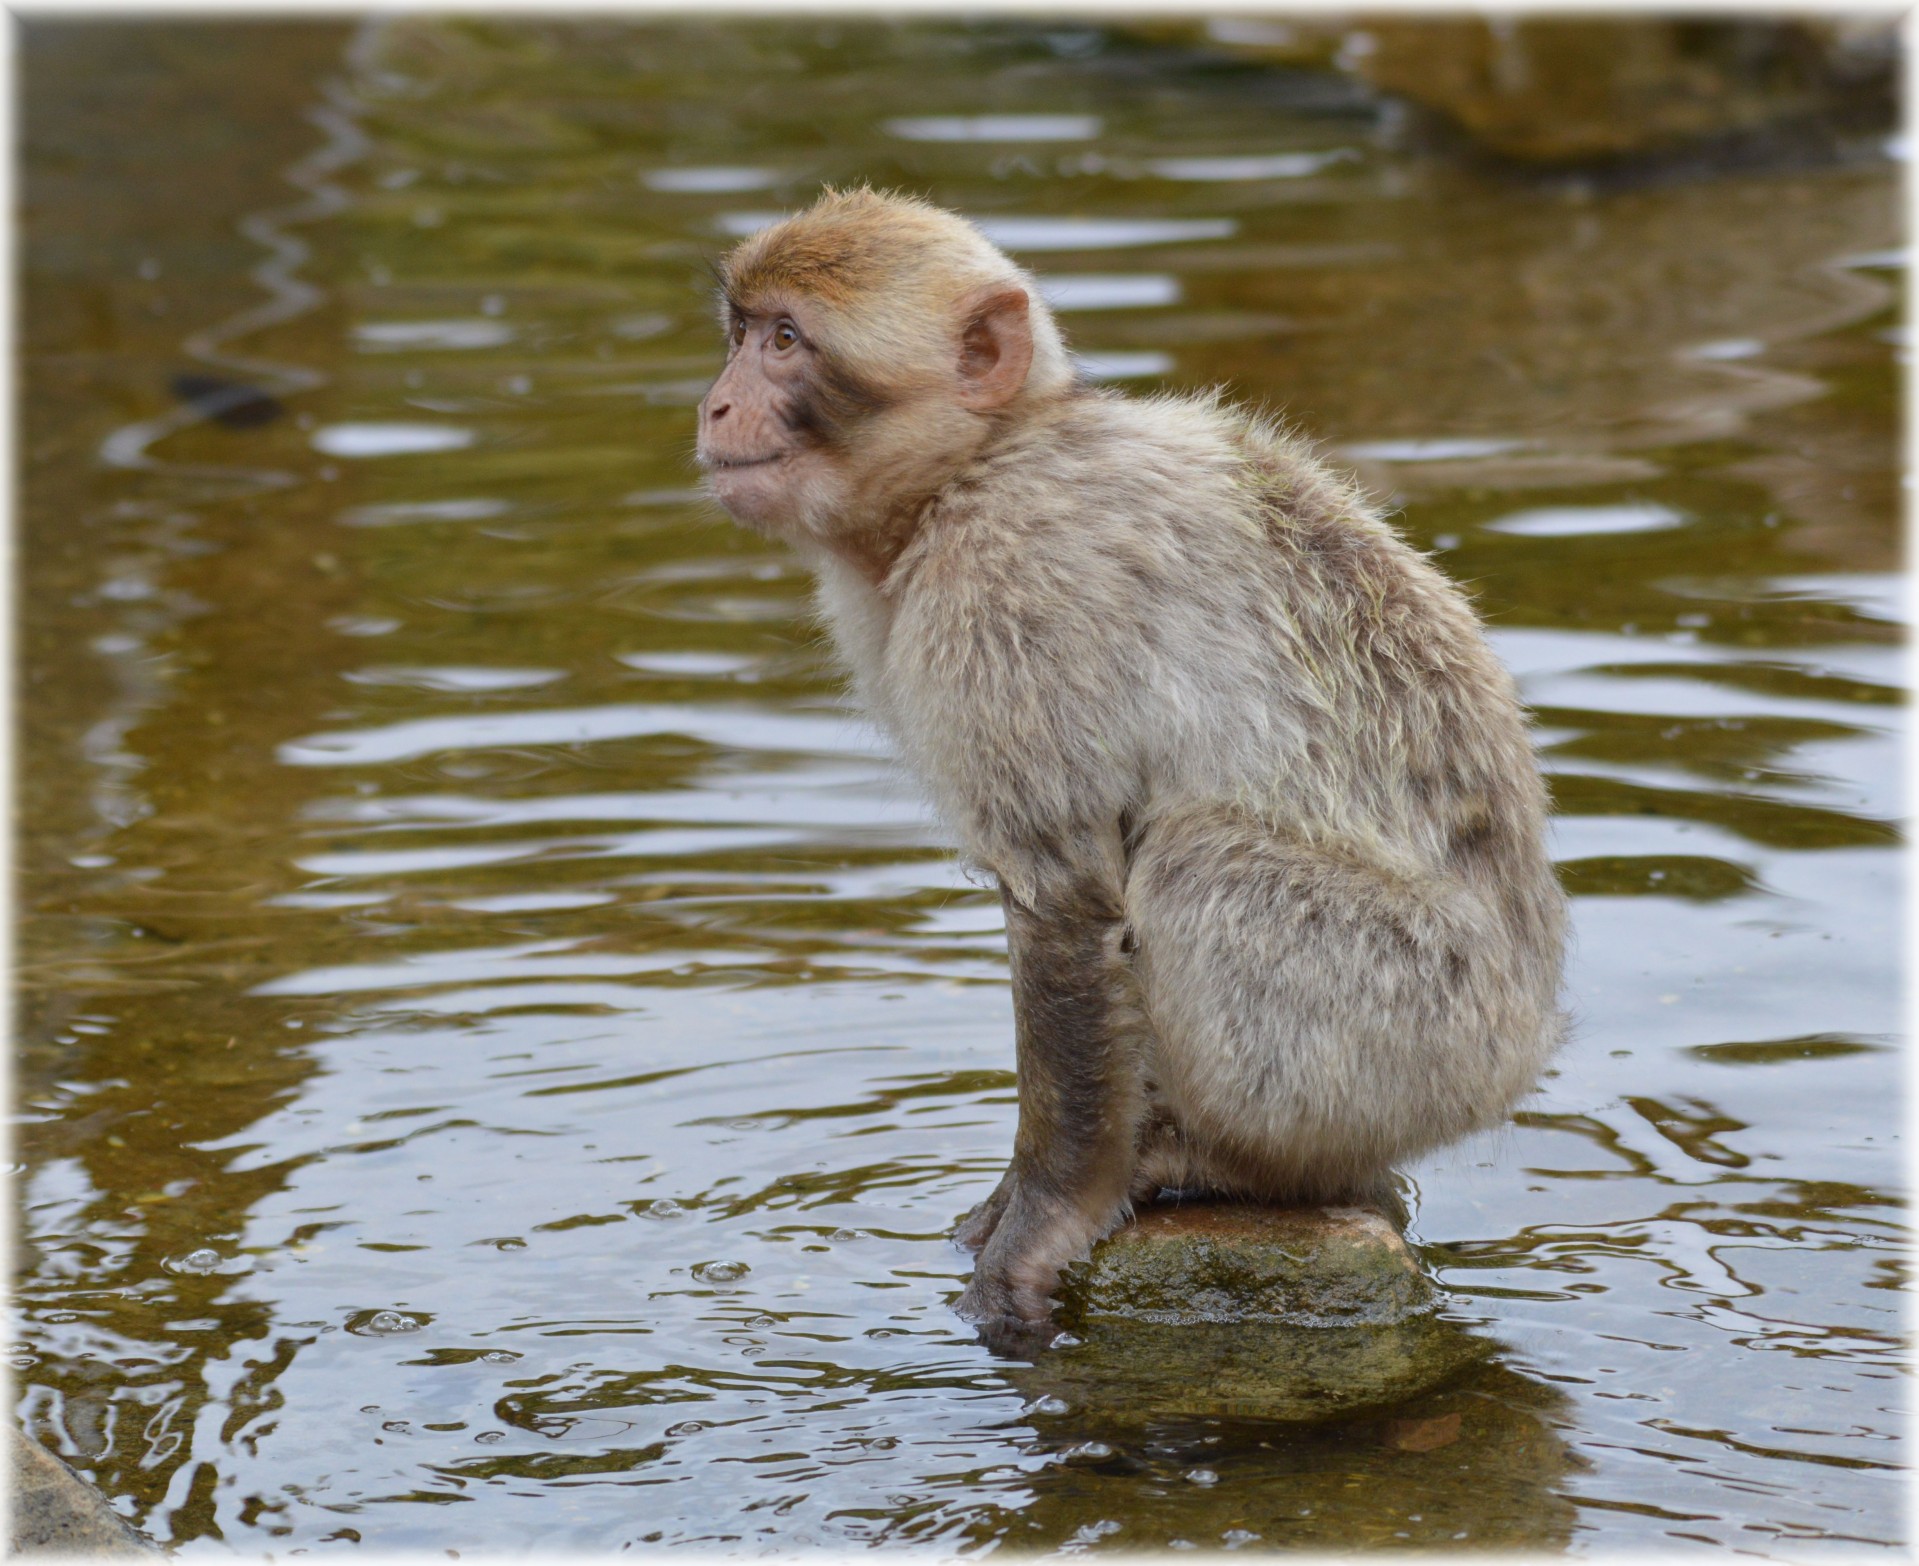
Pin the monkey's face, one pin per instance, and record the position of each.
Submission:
(769, 424)
(803, 436)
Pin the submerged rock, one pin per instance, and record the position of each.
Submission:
(52, 1510)
(1230, 1311)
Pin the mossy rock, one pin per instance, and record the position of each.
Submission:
(1220, 1263)
(1228, 1311)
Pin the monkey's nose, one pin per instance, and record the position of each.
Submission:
(715, 411)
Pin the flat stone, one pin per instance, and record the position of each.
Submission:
(1218, 1310)
(53, 1511)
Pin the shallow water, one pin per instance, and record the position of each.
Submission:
(500, 1049)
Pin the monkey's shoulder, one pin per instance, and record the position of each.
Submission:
(1092, 484)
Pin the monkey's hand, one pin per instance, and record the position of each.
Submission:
(976, 1227)
(1079, 1106)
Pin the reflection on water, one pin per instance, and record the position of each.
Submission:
(501, 1050)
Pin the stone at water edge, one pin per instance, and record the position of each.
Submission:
(1230, 1311)
(1180, 1264)
(53, 1511)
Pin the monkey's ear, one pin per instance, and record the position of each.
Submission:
(996, 347)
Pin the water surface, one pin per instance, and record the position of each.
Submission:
(501, 1048)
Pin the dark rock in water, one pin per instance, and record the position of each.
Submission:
(53, 1511)
(233, 403)
(1632, 95)
(1225, 1311)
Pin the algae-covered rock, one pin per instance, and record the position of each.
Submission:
(1228, 1311)
(52, 1510)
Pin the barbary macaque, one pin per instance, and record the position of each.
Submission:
(1260, 802)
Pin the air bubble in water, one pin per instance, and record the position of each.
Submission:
(384, 1323)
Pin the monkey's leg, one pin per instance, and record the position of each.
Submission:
(1079, 1101)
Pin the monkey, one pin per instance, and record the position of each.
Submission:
(1260, 801)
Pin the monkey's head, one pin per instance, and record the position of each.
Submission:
(873, 344)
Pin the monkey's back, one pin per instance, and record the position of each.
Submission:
(1183, 587)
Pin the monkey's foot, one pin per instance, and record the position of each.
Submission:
(1009, 1320)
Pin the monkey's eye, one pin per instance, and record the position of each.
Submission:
(785, 335)
(738, 334)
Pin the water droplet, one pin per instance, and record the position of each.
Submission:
(196, 1263)
(1201, 1476)
(499, 1356)
(686, 1427)
(1050, 1405)
(665, 1207)
(1065, 1340)
(721, 1271)
(397, 1426)
(1089, 1452)
(490, 1437)
(1233, 1538)
(847, 1234)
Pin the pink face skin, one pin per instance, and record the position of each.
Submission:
(757, 464)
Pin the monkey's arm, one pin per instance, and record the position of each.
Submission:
(1079, 1099)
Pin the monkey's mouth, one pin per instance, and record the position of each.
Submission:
(736, 464)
